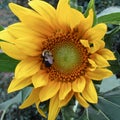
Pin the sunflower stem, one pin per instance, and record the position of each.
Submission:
(75, 108)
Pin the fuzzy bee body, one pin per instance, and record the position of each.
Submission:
(47, 58)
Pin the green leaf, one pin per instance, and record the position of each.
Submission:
(1, 28)
(110, 43)
(113, 31)
(113, 18)
(110, 15)
(109, 83)
(26, 92)
(80, 113)
(94, 114)
(67, 111)
(74, 4)
(115, 65)
(5, 105)
(91, 5)
(7, 64)
(109, 104)
(108, 107)
(109, 37)
(113, 96)
(109, 10)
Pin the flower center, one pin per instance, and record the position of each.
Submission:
(70, 57)
(66, 57)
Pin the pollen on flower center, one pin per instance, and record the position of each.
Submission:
(66, 57)
(69, 55)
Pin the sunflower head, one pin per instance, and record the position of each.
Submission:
(60, 53)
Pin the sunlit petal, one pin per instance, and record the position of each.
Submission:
(33, 97)
(89, 92)
(53, 107)
(107, 54)
(67, 99)
(49, 90)
(79, 84)
(40, 79)
(27, 67)
(99, 74)
(81, 100)
(17, 84)
(65, 88)
(39, 110)
(100, 60)
(96, 33)
(8, 48)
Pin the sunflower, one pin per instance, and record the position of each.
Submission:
(60, 53)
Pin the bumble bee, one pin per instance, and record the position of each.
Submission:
(47, 58)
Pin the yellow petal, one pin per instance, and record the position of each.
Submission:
(81, 100)
(53, 108)
(99, 60)
(5, 35)
(64, 19)
(93, 65)
(17, 84)
(45, 10)
(39, 110)
(40, 79)
(27, 68)
(20, 30)
(97, 45)
(89, 92)
(66, 99)
(65, 88)
(99, 74)
(30, 46)
(34, 42)
(71, 17)
(96, 33)
(49, 90)
(86, 23)
(75, 17)
(32, 98)
(61, 3)
(107, 54)
(79, 84)
(85, 43)
(35, 20)
(12, 51)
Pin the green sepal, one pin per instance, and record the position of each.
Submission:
(91, 5)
